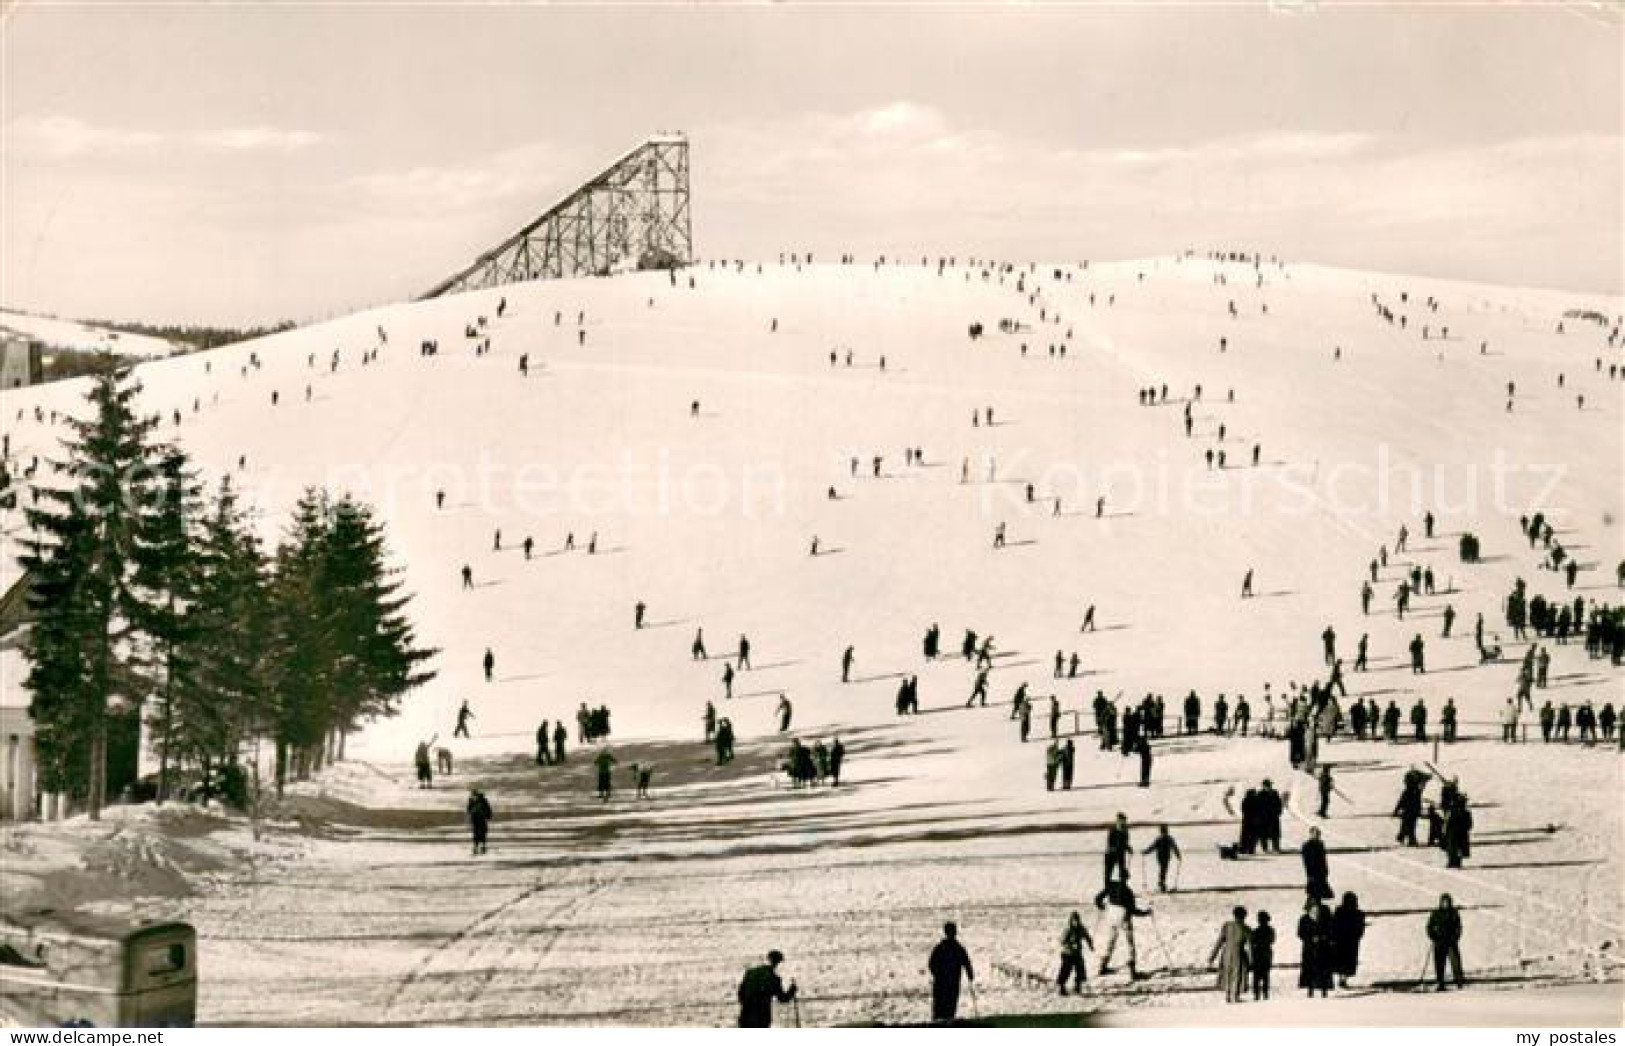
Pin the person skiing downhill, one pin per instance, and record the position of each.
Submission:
(979, 689)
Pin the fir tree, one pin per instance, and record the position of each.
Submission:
(82, 554)
(375, 656)
(166, 577)
(224, 702)
(301, 654)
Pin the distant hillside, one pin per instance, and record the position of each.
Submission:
(193, 338)
(58, 335)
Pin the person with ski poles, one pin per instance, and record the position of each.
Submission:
(1166, 850)
(1120, 896)
(1073, 942)
(758, 990)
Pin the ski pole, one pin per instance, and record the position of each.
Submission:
(795, 1009)
(1167, 956)
(975, 1004)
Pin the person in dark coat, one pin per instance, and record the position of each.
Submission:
(1117, 849)
(1444, 933)
(1458, 832)
(948, 961)
(424, 765)
(1073, 941)
(1409, 808)
(1263, 955)
(1435, 827)
(560, 735)
(724, 741)
(1315, 933)
(604, 763)
(479, 818)
(1316, 870)
(1248, 841)
(1348, 928)
(1166, 850)
(1270, 805)
(759, 988)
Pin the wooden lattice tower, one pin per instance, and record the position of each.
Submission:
(634, 215)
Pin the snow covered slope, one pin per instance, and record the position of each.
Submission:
(708, 517)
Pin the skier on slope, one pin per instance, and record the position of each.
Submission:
(1119, 896)
(1165, 850)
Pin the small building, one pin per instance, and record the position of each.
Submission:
(22, 361)
(19, 788)
(19, 795)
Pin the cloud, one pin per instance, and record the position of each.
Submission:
(528, 172)
(900, 120)
(1258, 148)
(68, 137)
(900, 176)
(272, 139)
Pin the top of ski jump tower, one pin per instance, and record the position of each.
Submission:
(632, 215)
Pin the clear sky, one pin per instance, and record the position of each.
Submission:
(239, 163)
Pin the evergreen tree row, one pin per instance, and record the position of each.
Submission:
(152, 602)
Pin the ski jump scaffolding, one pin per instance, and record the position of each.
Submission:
(633, 215)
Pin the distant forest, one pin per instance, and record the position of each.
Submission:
(195, 338)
